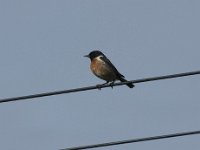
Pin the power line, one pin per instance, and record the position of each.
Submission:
(134, 140)
(95, 87)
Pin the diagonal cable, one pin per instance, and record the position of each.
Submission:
(134, 140)
(95, 87)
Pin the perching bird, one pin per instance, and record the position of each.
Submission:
(104, 69)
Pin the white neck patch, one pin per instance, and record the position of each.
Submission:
(99, 58)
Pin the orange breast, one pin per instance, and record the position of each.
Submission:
(101, 70)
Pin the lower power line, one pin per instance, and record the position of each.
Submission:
(134, 140)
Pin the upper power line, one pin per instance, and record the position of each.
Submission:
(95, 87)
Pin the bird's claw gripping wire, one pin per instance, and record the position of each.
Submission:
(99, 86)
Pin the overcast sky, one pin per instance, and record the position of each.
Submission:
(42, 44)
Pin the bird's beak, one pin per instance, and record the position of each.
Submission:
(86, 56)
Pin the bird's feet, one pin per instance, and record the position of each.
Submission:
(111, 84)
(99, 86)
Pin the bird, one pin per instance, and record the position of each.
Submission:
(102, 67)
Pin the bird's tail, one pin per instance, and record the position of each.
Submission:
(130, 85)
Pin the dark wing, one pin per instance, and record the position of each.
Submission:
(105, 59)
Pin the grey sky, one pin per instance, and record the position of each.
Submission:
(42, 44)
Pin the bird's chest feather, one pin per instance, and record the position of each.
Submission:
(102, 70)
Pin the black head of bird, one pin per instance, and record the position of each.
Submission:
(94, 54)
